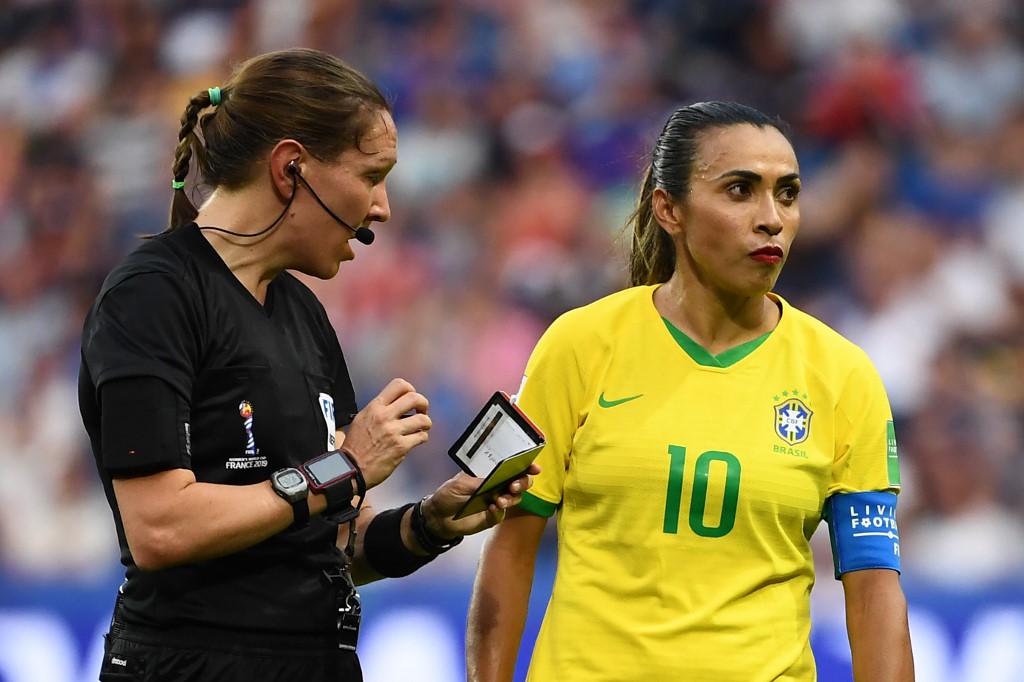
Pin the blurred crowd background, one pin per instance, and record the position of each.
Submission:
(523, 129)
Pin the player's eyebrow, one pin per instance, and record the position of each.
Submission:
(756, 177)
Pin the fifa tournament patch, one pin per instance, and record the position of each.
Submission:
(252, 458)
(892, 460)
(793, 417)
(245, 412)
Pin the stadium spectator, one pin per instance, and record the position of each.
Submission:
(699, 428)
(215, 393)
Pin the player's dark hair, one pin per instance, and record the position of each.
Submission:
(302, 94)
(652, 258)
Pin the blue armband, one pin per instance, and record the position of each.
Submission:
(862, 528)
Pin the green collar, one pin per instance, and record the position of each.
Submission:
(706, 359)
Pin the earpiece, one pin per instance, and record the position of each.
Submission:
(363, 235)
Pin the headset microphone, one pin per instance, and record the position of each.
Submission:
(364, 235)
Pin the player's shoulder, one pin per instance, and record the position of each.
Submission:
(162, 253)
(819, 341)
(163, 258)
(808, 325)
(597, 325)
(615, 309)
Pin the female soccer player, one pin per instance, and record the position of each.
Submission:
(698, 430)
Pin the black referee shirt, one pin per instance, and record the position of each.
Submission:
(263, 385)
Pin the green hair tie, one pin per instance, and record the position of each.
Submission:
(178, 184)
(214, 96)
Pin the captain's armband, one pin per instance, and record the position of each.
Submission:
(863, 532)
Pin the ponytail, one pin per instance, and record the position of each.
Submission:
(651, 255)
(182, 209)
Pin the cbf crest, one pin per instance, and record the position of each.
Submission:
(793, 420)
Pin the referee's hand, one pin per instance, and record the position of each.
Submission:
(445, 502)
(381, 434)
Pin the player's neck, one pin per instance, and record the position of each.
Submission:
(717, 323)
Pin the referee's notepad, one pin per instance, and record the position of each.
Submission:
(498, 446)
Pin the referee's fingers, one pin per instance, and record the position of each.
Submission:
(414, 424)
(395, 389)
(409, 403)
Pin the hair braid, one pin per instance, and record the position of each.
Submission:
(182, 209)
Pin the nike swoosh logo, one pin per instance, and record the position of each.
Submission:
(612, 403)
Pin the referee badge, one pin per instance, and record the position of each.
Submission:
(793, 420)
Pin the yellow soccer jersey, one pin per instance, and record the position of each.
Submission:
(687, 489)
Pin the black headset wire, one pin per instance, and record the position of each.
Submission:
(362, 234)
(295, 187)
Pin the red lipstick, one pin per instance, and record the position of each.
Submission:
(771, 255)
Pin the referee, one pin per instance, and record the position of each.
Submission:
(219, 406)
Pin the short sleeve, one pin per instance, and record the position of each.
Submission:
(346, 406)
(143, 326)
(551, 395)
(866, 458)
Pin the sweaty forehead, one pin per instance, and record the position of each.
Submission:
(744, 147)
(381, 138)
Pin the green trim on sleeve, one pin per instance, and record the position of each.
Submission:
(535, 505)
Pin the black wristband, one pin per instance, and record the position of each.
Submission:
(431, 542)
(384, 550)
(339, 498)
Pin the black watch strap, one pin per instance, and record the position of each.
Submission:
(360, 481)
(339, 496)
(300, 512)
(293, 493)
(346, 510)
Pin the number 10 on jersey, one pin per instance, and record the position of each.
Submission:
(699, 491)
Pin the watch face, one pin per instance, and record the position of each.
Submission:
(289, 479)
(329, 468)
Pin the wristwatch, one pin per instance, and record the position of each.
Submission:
(331, 474)
(291, 484)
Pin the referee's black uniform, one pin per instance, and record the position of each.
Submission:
(255, 388)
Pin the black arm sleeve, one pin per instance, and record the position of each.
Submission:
(144, 426)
